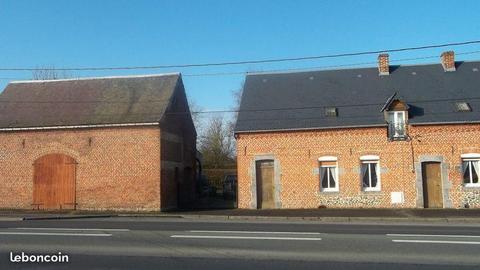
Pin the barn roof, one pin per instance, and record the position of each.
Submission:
(299, 100)
(86, 101)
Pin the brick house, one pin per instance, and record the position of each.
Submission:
(382, 137)
(113, 143)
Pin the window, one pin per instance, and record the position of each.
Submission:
(397, 125)
(462, 107)
(370, 173)
(471, 169)
(328, 173)
(331, 112)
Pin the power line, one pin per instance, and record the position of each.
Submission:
(336, 106)
(262, 61)
(320, 116)
(249, 110)
(263, 110)
(318, 68)
(364, 116)
(315, 68)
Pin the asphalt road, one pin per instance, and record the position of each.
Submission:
(160, 243)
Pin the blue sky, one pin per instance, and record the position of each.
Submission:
(132, 33)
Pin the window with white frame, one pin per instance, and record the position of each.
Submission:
(397, 124)
(328, 173)
(471, 169)
(370, 173)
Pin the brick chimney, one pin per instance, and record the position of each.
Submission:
(448, 61)
(383, 65)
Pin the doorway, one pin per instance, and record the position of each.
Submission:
(432, 185)
(54, 182)
(265, 185)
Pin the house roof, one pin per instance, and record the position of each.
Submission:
(297, 101)
(86, 101)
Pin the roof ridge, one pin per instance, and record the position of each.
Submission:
(98, 78)
(319, 69)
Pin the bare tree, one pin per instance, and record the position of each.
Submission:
(49, 73)
(216, 139)
(195, 111)
(237, 99)
(217, 143)
(197, 118)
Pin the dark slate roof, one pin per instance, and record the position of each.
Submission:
(86, 101)
(296, 101)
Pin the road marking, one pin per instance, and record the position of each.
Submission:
(434, 235)
(55, 234)
(71, 229)
(253, 232)
(436, 242)
(245, 237)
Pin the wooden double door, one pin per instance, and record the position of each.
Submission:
(54, 182)
(265, 185)
(432, 185)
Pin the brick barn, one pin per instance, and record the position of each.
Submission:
(113, 143)
(382, 137)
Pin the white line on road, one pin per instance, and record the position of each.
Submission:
(433, 235)
(55, 234)
(245, 237)
(436, 242)
(71, 229)
(257, 232)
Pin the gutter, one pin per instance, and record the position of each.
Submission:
(444, 123)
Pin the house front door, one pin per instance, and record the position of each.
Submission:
(265, 174)
(432, 185)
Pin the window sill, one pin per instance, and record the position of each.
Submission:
(471, 186)
(328, 192)
(368, 190)
(394, 139)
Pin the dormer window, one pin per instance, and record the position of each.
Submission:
(397, 125)
(396, 116)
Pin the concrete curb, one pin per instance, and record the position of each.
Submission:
(325, 219)
(150, 215)
(68, 217)
(338, 219)
(11, 218)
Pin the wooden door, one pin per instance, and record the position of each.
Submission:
(432, 185)
(54, 182)
(265, 187)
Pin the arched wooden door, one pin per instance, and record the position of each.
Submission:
(54, 182)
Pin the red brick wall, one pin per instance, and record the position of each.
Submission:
(118, 168)
(297, 153)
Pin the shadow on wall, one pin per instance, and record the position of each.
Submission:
(186, 189)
